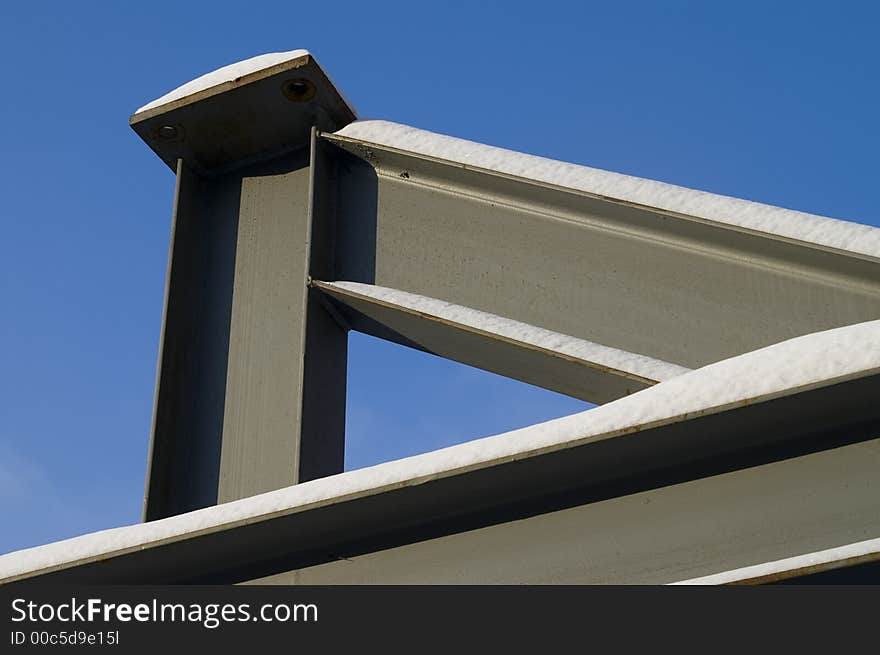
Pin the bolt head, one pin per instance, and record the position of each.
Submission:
(168, 132)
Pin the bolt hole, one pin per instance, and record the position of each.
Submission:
(300, 90)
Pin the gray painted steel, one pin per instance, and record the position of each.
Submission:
(659, 536)
(857, 562)
(670, 287)
(250, 392)
(486, 350)
(249, 241)
(230, 407)
(517, 491)
(251, 118)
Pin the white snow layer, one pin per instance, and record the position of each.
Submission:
(797, 364)
(587, 351)
(862, 550)
(777, 221)
(225, 74)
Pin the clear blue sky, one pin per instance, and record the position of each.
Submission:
(771, 101)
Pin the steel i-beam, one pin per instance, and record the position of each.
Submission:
(276, 205)
(643, 279)
(250, 392)
(288, 231)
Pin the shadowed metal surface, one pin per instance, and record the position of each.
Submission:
(843, 563)
(727, 513)
(651, 537)
(230, 405)
(250, 391)
(247, 119)
(250, 394)
(645, 281)
(542, 366)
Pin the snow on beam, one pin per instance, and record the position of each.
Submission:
(674, 287)
(718, 209)
(829, 360)
(863, 552)
(579, 368)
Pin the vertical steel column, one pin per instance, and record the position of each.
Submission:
(250, 392)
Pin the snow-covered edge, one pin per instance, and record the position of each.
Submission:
(797, 364)
(224, 75)
(864, 550)
(791, 224)
(586, 351)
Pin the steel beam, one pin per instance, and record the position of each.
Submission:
(658, 503)
(270, 215)
(250, 392)
(553, 361)
(251, 385)
(658, 536)
(847, 563)
(242, 343)
(636, 278)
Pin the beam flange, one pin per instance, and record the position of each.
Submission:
(250, 394)
(451, 493)
(575, 367)
(642, 279)
(655, 536)
(828, 561)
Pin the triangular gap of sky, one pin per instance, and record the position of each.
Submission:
(401, 402)
(770, 101)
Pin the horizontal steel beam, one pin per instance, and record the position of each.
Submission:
(251, 387)
(571, 366)
(656, 536)
(848, 562)
(725, 515)
(640, 279)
